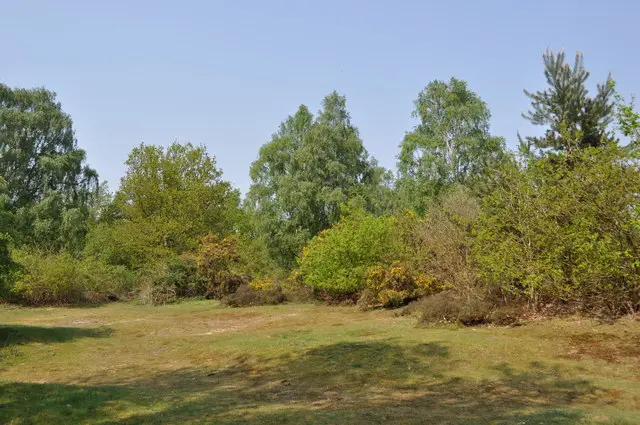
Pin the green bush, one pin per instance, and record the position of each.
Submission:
(62, 279)
(125, 243)
(254, 258)
(105, 280)
(167, 281)
(336, 261)
(182, 275)
(565, 229)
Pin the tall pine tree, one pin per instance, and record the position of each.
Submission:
(566, 106)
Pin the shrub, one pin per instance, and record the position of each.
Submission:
(153, 286)
(393, 286)
(506, 315)
(565, 229)
(336, 261)
(182, 275)
(62, 279)
(105, 281)
(291, 287)
(8, 267)
(48, 279)
(438, 245)
(226, 283)
(296, 290)
(451, 307)
(167, 281)
(217, 263)
(125, 243)
(246, 296)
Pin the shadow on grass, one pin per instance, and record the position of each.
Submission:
(346, 383)
(18, 334)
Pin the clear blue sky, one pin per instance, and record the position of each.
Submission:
(226, 73)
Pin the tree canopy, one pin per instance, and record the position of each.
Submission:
(451, 144)
(48, 186)
(566, 107)
(179, 191)
(464, 223)
(311, 167)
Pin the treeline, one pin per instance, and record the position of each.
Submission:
(467, 229)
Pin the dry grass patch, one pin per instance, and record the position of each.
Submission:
(199, 363)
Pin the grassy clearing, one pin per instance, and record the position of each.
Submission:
(197, 362)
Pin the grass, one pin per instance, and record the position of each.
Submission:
(199, 363)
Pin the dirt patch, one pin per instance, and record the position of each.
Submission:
(602, 346)
(215, 326)
(84, 321)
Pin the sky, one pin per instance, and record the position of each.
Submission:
(225, 73)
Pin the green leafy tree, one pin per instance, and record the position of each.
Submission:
(178, 192)
(566, 107)
(628, 120)
(451, 145)
(311, 166)
(48, 186)
(7, 266)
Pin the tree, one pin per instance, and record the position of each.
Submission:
(179, 193)
(7, 266)
(451, 145)
(565, 228)
(566, 107)
(301, 178)
(48, 186)
(628, 120)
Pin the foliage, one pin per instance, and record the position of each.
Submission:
(452, 307)
(127, 243)
(62, 279)
(451, 145)
(254, 257)
(153, 287)
(438, 245)
(559, 227)
(7, 265)
(565, 106)
(565, 228)
(166, 281)
(182, 275)
(302, 176)
(179, 193)
(48, 187)
(217, 260)
(393, 286)
(628, 120)
(167, 200)
(248, 296)
(337, 260)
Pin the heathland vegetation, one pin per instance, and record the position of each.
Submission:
(466, 230)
